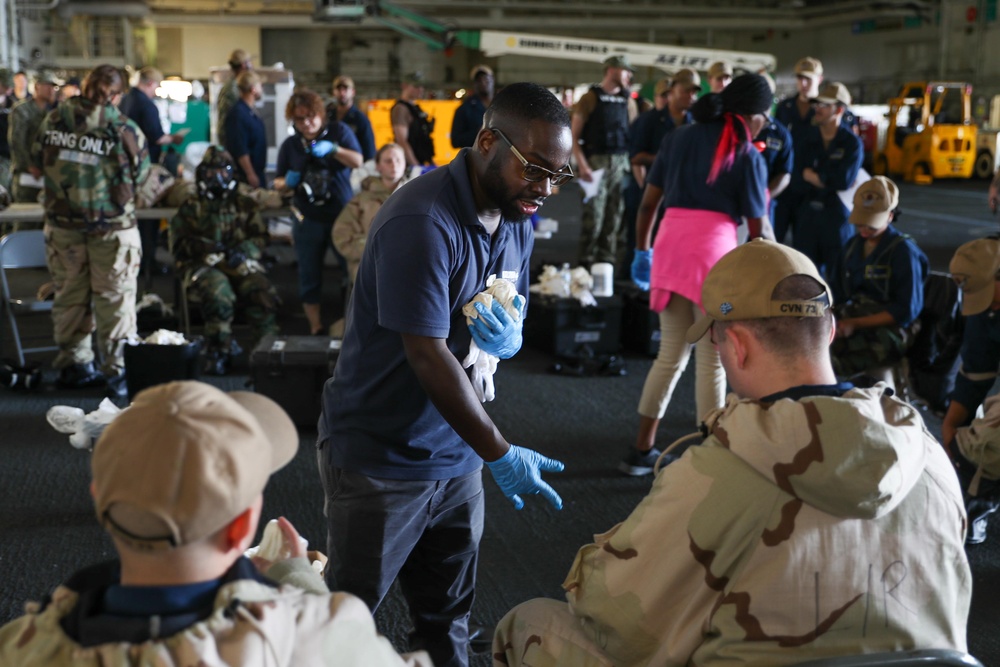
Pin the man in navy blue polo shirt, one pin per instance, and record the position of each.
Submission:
(403, 437)
(138, 105)
(469, 115)
(344, 109)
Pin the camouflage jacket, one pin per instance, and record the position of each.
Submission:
(229, 95)
(797, 530)
(202, 226)
(93, 160)
(25, 119)
(252, 622)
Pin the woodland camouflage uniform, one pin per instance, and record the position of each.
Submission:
(25, 119)
(233, 227)
(92, 159)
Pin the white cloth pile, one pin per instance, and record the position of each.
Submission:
(165, 337)
(484, 365)
(83, 429)
(566, 283)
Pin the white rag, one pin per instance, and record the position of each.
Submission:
(83, 429)
(577, 285)
(483, 364)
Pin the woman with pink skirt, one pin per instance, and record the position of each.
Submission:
(709, 176)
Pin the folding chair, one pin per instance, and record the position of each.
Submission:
(22, 250)
(911, 658)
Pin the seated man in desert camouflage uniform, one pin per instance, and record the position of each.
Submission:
(217, 238)
(816, 519)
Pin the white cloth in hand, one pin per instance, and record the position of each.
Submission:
(483, 364)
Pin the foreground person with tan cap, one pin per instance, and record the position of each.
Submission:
(815, 520)
(178, 483)
(975, 267)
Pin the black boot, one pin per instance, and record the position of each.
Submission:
(117, 389)
(80, 376)
(20, 378)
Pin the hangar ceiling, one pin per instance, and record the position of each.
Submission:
(635, 19)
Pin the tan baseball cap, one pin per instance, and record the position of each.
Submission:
(184, 460)
(873, 201)
(809, 67)
(833, 93)
(740, 285)
(620, 60)
(343, 80)
(415, 78)
(720, 68)
(238, 57)
(47, 76)
(686, 77)
(974, 267)
(662, 87)
(480, 69)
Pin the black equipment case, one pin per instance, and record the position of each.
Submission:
(565, 328)
(292, 370)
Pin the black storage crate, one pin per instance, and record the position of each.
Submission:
(292, 370)
(640, 325)
(148, 365)
(565, 328)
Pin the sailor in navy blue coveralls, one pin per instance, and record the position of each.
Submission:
(831, 157)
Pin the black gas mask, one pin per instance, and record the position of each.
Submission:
(214, 176)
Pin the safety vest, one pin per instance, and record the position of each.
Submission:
(606, 130)
(420, 130)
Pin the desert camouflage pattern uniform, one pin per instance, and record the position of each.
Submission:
(251, 623)
(202, 227)
(229, 95)
(798, 530)
(25, 119)
(93, 159)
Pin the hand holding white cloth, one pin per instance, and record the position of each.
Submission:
(483, 364)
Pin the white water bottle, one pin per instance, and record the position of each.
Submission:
(604, 279)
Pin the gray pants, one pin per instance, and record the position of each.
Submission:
(425, 532)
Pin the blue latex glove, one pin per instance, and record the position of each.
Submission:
(495, 331)
(323, 148)
(520, 471)
(641, 265)
(293, 178)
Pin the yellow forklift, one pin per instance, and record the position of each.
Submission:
(930, 134)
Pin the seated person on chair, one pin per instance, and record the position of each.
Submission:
(816, 519)
(878, 286)
(181, 591)
(217, 238)
(976, 268)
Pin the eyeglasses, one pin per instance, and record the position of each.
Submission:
(302, 119)
(534, 173)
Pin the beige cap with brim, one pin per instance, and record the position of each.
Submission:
(740, 285)
(974, 267)
(184, 460)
